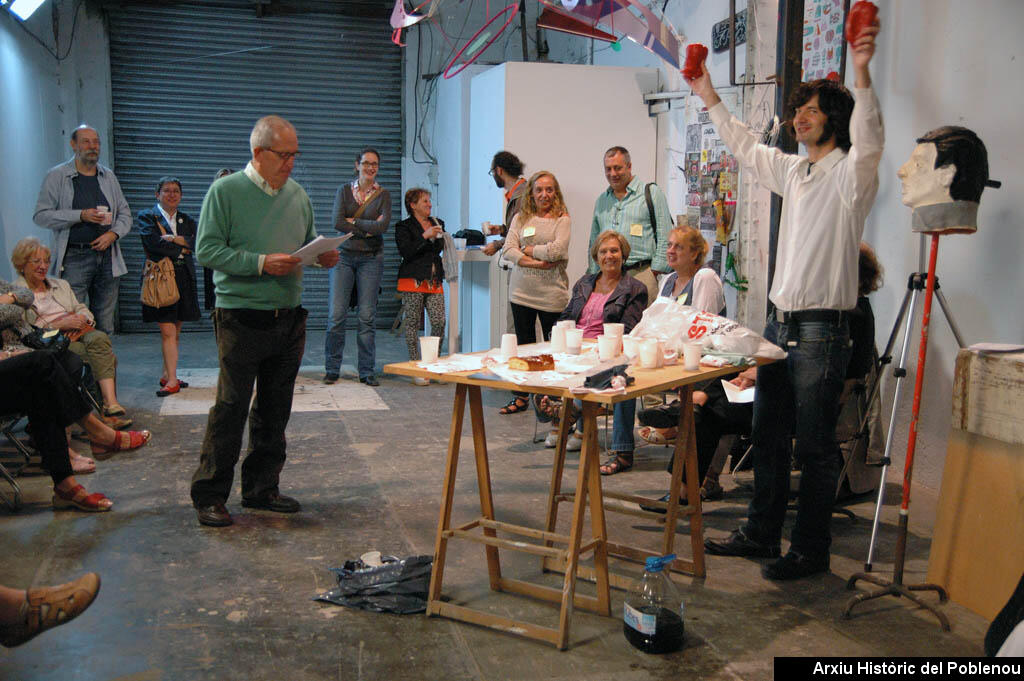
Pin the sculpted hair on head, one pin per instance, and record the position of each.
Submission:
(612, 151)
(869, 270)
(962, 148)
(265, 130)
(834, 100)
(508, 162)
(605, 236)
(693, 239)
(529, 208)
(167, 179)
(24, 250)
(412, 196)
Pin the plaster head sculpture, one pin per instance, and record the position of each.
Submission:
(943, 181)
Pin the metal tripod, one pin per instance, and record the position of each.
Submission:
(915, 283)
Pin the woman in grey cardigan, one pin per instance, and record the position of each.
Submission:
(363, 208)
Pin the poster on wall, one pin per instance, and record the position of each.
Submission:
(711, 178)
(823, 44)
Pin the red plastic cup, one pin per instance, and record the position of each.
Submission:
(695, 56)
(862, 15)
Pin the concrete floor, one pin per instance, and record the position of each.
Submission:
(182, 602)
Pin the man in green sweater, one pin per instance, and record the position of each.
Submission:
(249, 225)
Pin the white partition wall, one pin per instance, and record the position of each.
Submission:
(561, 118)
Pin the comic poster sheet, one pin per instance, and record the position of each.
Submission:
(823, 38)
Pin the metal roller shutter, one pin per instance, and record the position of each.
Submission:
(190, 79)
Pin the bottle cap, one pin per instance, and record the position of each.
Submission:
(656, 563)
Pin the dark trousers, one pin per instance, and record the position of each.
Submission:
(37, 384)
(253, 346)
(715, 418)
(524, 319)
(798, 397)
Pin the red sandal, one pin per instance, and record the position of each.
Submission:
(123, 441)
(77, 497)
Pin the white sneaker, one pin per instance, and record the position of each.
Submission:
(574, 444)
(551, 440)
(419, 380)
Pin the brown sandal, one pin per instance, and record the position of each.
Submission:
(50, 607)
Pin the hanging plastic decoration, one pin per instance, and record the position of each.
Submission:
(482, 39)
(400, 19)
(631, 19)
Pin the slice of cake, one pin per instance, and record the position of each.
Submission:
(532, 363)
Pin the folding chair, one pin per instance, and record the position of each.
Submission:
(12, 499)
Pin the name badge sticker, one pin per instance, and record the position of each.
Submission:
(529, 231)
(636, 229)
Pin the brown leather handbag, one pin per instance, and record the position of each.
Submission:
(159, 287)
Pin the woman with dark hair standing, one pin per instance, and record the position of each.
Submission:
(361, 208)
(421, 272)
(167, 232)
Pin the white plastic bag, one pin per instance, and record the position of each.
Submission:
(675, 324)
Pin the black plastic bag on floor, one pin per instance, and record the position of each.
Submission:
(398, 586)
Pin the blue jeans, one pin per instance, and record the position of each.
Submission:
(92, 279)
(362, 270)
(623, 414)
(798, 397)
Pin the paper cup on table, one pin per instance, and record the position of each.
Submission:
(573, 341)
(558, 339)
(509, 346)
(630, 347)
(429, 347)
(614, 329)
(691, 356)
(607, 347)
(649, 351)
(566, 324)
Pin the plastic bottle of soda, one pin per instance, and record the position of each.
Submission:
(652, 615)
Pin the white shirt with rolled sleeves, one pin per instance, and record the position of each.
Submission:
(823, 212)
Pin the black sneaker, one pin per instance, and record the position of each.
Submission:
(331, 379)
(370, 380)
(795, 566)
(738, 544)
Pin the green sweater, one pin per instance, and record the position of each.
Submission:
(239, 222)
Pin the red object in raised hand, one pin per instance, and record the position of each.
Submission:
(695, 56)
(862, 15)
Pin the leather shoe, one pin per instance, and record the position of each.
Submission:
(795, 566)
(214, 515)
(369, 380)
(738, 544)
(275, 501)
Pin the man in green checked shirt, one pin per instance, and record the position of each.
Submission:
(625, 208)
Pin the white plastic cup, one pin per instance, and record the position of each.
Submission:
(631, 346)
(106, 215)
(607, 347)
(573, 341)
(691, 356)
(566, 324)
(509, 346)
(614, 329)
(649, 351)
(460, 244)
(558, 339)
(429, 348)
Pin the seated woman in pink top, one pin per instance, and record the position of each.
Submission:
(610, 296)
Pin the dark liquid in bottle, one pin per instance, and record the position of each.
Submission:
(668, 632)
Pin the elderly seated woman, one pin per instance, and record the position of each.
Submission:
(609, 296)
(55, 306)
(36, 383)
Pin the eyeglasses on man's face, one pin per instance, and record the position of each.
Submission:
(285, 155)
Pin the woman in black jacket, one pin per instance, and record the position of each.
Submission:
(169, 233)
(421, 272)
